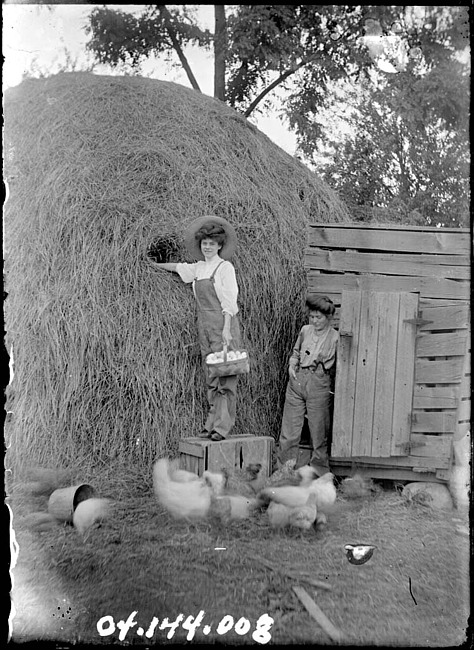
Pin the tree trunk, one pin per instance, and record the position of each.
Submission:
(172, 34)
(220, 51)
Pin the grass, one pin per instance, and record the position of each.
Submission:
(413, 592)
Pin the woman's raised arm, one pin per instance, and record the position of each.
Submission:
(167, 266)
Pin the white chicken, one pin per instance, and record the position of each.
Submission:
(278, 515)
(188, 500)
(297, 495)
(325, 491)
(306, 474)
(216, 480)
(181, 475)
(302, 517)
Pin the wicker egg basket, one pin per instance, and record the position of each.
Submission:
(229, 367)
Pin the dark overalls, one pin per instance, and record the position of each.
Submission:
(309, 393)
(221, 391)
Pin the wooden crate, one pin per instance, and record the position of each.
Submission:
(235, 452)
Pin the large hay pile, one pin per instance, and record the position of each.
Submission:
(101, 171)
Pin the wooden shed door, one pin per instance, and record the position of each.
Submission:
(375, 374)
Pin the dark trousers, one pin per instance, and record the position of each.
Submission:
(308, 394)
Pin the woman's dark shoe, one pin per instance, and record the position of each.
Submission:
(204, 434)
(217, 437)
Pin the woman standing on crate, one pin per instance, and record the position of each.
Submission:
(212, 241)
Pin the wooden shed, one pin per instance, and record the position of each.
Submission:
(402, 390)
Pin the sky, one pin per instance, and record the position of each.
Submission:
(41, 34)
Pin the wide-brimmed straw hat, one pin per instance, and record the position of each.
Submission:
(194, 246)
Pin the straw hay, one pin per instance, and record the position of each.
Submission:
(101, 171)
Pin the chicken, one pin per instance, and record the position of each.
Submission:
(278, 515)
(181, 475)
(285, 475)
(246, 481)
(302, 517)
(188, 500)
(44, 480)
(306, 474)
(40, 521)
(287, 495)
(215, 480)
(325, 491)
(356, 486)
(90, 512)
(297, 495)
(231, 507)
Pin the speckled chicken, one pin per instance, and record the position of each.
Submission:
(246, 481)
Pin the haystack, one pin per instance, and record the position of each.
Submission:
(103, 171)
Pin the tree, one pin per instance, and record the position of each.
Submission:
(257, 48)
(118, 37)
(406, 145)
(409, 141)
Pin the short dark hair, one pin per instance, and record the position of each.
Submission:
(324, 304)
(211, 231)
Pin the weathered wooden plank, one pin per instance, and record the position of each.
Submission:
(445, 317)
(365, 383)
(357, 225)
(464, 412)
(437, 302)
(426, 287)
(404, 372)
(431, 446)
(346, 373)
(390, 239)
(463, 429)
(464, 407)
(257, 451)
(230, 453)
(398, 461)
(316, 612)
(429, 397)
(438, 372)
(433, 422)
(193, 449)
(391, 473)
(455, 267)
(335, 297)
(442, 344)
(387, 313)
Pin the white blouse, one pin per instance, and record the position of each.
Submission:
(225, 282)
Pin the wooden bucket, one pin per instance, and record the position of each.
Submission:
(63, 502)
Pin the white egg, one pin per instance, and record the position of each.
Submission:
(231, 355)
